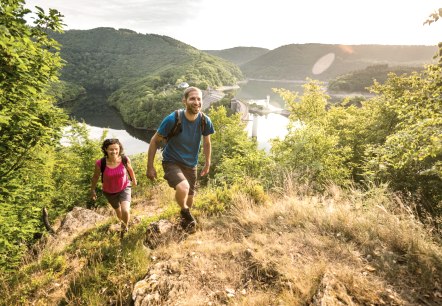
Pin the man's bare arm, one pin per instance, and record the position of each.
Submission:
(207, 151)
(155, 142)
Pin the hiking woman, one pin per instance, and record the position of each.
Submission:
(116, 170)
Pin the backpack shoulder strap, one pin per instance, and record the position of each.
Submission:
(179, 113)
(203, 122)
(176, 129)
(124, 160)
(102, 167)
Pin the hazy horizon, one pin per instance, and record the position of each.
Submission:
(218, 25)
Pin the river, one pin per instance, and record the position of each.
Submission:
(95, 112)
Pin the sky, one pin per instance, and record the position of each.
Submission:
(224, 24)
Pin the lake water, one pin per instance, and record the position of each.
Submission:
(99, 116)
(260, 89)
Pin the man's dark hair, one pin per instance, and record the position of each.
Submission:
(189, 90)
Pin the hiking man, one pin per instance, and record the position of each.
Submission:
(182, 131)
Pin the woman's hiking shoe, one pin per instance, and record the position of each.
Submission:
(188, 222)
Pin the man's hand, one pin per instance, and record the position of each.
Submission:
(205, 170)
(151, 173)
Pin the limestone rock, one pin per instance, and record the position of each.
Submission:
(162, 232)
(75, 222)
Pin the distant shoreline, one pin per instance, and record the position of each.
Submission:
(279, 81)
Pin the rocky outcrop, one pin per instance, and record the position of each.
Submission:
(162, 232)
(75, 222)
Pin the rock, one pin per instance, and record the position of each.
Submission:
(161, 232)
(74, 223)
(162, 284)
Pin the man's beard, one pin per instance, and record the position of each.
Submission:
(193, 110)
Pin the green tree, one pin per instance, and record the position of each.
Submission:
(75, 166)
(394, 137)
(310, 148)
(411, 156)
(30, 124)
(235, 156)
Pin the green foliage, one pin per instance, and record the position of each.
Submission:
(30, 124)
(253, 189)
(106, 58)
(54, 263)
(392, 138)
(141, 71)
(145, 185)
(65, 92)
(112, 265)
(239, 55)
(359, 81)
(411, 156)
(234, 155)
(75, 166)
(144, 103)
(107, 265)
(28, 118)
(310, 148)
(216, 200)
(311, 108)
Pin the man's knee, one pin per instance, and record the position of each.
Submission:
(183, 186)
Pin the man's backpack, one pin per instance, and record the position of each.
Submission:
(176, 129)
(103, 165)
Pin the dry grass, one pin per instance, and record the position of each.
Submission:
(346, 248)
(342, 248)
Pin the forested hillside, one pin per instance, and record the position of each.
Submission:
(146, 67)
(297, 61)
(239, 55)
(361, 80)
(145, 101)
(109, 58)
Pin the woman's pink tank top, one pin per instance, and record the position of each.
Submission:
(114, 179)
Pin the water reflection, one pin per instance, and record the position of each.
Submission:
(269, 127)
(98, 115)
(132, 145)
(260, 89)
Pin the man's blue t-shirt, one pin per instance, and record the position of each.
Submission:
(184, 147)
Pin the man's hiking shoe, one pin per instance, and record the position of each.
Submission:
(190, 228)
(188, 222)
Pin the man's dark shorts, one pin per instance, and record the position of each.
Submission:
(175, 173)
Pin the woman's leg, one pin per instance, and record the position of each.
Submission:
(118, 213)
(125, 212)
